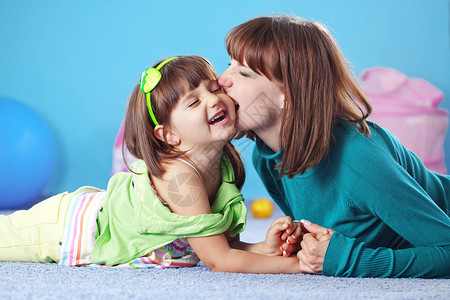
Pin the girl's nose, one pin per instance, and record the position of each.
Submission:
(224, 81)
(213, 100)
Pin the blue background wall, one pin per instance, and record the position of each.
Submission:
(76, 63)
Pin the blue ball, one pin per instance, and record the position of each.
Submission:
(27, 154)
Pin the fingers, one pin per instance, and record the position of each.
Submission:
(288, 249)
(311, 227)
(286, 220)
(320, 232)
(312, 254)
(294, 238)
(285, 235)
(277, 228)
(279, 225)
(305, 269)
(286, 227)
(274, 240)
(305, 257)
(324, 236)
(292, 244)
(292, 233)
(305, 266)
(296, 232)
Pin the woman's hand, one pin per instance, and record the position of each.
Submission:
(313, 247)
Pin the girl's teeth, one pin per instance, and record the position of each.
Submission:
(218, 117)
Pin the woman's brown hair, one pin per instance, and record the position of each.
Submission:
(317, 82)
(178, 77)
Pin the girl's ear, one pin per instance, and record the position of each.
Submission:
(166, 136)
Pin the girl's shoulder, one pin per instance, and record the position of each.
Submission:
(178, 170)
(180, 179)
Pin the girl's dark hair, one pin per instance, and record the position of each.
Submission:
(178, 77)
(317, 82)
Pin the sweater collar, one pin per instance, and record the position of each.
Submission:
(266, 152)
(269, 154)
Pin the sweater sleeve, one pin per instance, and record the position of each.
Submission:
(347, 258)
(397, 190)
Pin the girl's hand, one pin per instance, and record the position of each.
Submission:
(313, 247)
(282, 237)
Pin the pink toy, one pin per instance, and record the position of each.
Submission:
(118, 163)
(408, 107)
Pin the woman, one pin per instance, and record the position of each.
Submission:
(386, 215)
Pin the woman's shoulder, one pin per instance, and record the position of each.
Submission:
(350, 146)
(348, 135)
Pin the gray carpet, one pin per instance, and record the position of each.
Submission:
(50, 281)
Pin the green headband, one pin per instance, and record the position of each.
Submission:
(149, 80)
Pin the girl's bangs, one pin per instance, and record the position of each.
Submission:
(178, 77)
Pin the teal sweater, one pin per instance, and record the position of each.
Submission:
(390, 214)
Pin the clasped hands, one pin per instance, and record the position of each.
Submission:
(308, 240)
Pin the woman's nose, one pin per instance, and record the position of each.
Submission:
(224, 80)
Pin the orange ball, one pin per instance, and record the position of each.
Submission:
(261, 208)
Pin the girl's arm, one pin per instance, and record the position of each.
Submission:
(215, 251)
(217, 255)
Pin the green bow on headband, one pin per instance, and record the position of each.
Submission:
(149, 80)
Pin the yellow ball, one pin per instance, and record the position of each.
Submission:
(261, 208)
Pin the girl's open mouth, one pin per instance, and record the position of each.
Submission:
(218, 118)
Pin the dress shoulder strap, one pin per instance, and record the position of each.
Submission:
(191, 165)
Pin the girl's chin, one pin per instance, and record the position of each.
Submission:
(241, 127)
(230, 135)
(249, 124)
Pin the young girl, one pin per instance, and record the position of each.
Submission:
(180, 203)
(322, 161)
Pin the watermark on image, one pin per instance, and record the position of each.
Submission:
(260, 111)
(183, 182)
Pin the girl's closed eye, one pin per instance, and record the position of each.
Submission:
(214, 87)
(193, 103)
(217, 90)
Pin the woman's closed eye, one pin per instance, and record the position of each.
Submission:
(244, 74)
